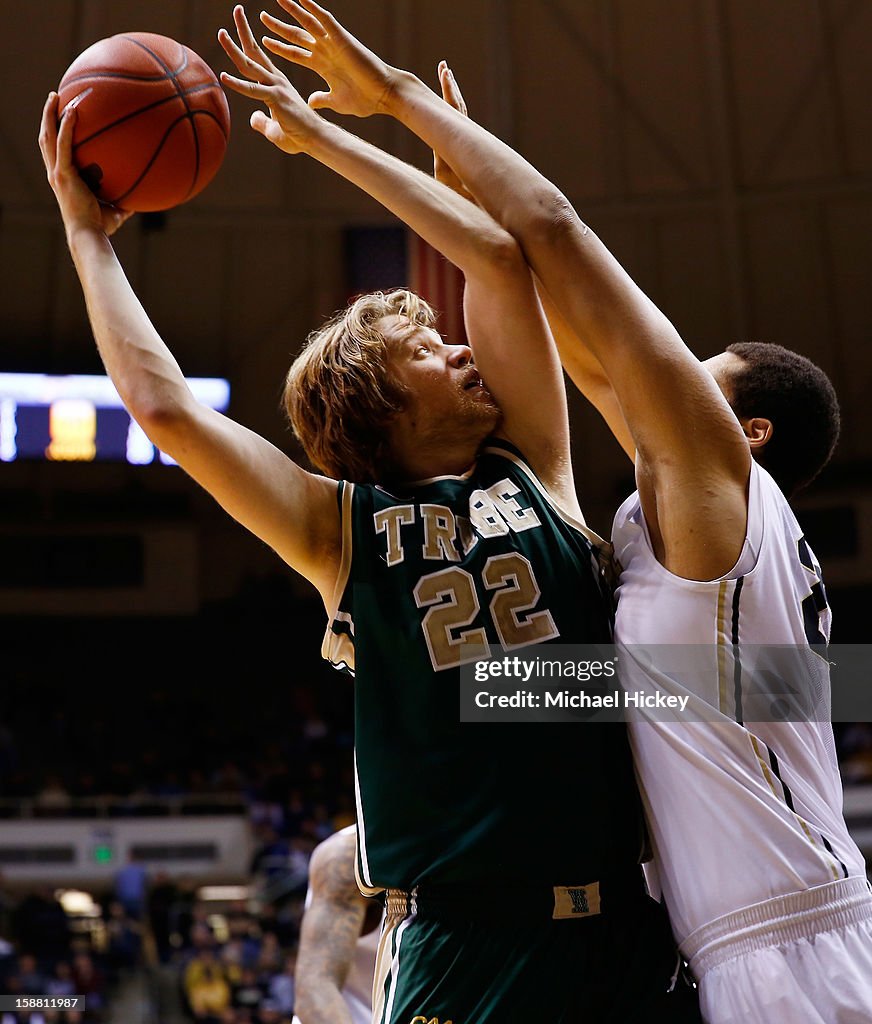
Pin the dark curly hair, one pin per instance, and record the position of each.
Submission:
(799, 399)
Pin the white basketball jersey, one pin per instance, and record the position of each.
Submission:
(740, 809)
(357, 990)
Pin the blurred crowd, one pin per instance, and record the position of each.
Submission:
(44, 953)
(228, 961)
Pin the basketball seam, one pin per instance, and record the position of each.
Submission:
(85, 75)
(151, 106)
(159, 59)
(156, 153)
(181, 94)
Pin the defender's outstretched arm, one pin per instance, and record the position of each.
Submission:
(581, 365)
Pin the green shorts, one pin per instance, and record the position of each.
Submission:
(456, 959)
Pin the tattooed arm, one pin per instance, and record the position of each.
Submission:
(332, 924)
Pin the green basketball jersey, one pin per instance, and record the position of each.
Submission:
(486, 558)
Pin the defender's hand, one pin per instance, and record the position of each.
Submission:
(452, 95)
(291, 125)
(358, 81)
(78, 205)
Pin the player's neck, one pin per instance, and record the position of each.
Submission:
(438, 459)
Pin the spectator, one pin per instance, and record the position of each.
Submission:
(91, 982)
(61, 983)
(32, 979)
(248, 993)
(40, 924)
(269, 959)
(53, 798)
(281, 987)
(123, 940)
(131, 887)
(206, 990)
(232, 957)
(162, 896)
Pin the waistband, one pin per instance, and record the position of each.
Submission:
(506, 902)
(783, 919)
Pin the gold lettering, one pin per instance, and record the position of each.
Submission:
(389, 521)
(485, 517)
(518, 518)
(439, 533)
(466, 535)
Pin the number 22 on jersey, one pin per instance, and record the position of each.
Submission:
(452, 602)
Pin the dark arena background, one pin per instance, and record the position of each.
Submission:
(172, 746)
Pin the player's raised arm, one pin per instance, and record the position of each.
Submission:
(688, 442)
(292, 511)
(581, 365)
(511, 343)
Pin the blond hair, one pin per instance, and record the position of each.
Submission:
(339, 394)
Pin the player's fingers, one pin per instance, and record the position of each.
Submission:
(246, 38)
(48, 131)
(289, 33)
(64, 147)
(253, 90)
(230, 47)
(311, 17)
(294, 54)
(268, 127)
(321, 101)
(451, 91)
(114, 218)
(243, 62)
(444, 81)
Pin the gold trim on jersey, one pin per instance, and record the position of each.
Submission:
(722, 648)
(337, 649)
(361, 860)
(768, 776)
(387, 962)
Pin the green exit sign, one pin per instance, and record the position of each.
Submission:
(104, 854)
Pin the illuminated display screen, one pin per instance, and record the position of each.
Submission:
(80, 418)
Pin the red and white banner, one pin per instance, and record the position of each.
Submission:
(438, 281)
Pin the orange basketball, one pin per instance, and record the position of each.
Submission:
(152, 122)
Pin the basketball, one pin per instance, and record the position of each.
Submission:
(152, 120)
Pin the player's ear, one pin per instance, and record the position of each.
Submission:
(758, 430)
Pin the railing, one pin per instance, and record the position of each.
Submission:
(135, 806)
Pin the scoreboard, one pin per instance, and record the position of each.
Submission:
(81, 418)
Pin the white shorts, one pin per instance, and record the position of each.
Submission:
(805, 958)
